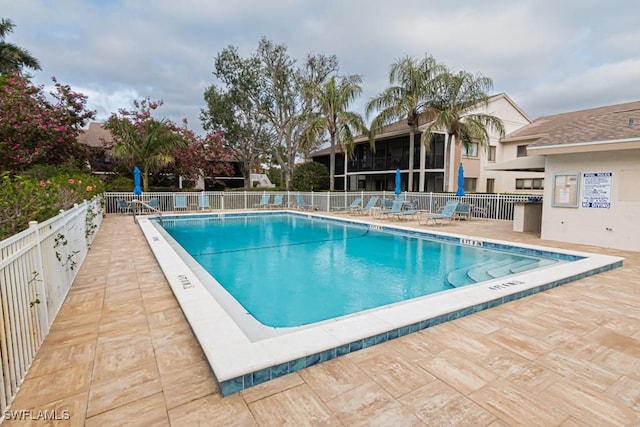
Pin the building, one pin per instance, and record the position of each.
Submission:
(374, 170)
(591, 170)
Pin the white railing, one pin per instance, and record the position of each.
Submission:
(490, 206)
(37, 267)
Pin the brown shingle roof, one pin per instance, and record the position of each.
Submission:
(95, 136)
(596, 124)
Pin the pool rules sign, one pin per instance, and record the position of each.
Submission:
(596, 189)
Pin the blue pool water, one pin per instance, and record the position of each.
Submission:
(291, 270)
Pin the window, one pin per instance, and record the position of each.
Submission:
(522, 151)
(470, 150)
(492, 153)
(530, 184)
(491, 183)
(470, 185)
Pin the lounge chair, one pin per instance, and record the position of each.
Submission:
(354, 205)
(264, 201)
(203, 202)
(277, 201)
(396, 209)
(371, 204)
(447, 213)
(180, 202)
(302, 205)
(123, 206)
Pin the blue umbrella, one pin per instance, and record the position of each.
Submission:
(137, 190)
(398, 183)
(460, 191)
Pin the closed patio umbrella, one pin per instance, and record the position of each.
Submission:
(460, 190)
(137, 189)
(398, 189)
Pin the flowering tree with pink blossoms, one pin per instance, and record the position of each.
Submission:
(35, 130)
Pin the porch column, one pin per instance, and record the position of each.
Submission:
(423, 162)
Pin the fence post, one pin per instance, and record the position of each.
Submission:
(42, 291)
(222, 200)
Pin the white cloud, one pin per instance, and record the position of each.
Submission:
(549, 56)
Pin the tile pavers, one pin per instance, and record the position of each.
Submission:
(120, 351)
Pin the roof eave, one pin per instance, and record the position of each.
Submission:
(586, 146)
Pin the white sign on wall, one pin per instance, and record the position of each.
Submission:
(596, 189)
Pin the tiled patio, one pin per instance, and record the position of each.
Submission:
(121, 352)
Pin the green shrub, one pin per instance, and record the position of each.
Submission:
(24, 198)
(120, 183)
(310, 176)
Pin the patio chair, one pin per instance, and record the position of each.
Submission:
(354, 205)
(153, 205)
(180, 202)
(396, 209)
(264, 202)
(302, 205)
(463, 211)
(371, 204)
(123, 206)
(277, 201)
(447, 213)
(203, 202)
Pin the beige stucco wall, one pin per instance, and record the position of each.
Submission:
(616, 227)
(505, 182)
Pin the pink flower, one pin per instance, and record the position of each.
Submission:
(71, 181)
(43, 184)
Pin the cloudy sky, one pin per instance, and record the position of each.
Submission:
(549, 56)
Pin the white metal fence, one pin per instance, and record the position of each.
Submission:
(37, 267)
(490, 206)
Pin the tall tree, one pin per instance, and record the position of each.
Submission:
(233, 108)
(332, 117)
(13, 58)
(458, 106)
(36, 129)
(140, 139)
(409, 96)
(285, 104)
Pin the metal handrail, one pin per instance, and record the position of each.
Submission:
(140, 202)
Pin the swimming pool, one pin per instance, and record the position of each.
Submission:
(287, 270)
(243, 353)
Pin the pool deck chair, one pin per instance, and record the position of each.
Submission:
(180, 202)
(396, 210)
(277, 201)
(123, 206)
(302, 205)
(264, 202)
(447, 213)
(153, 205)
(354, 205)
(368, 208)
(203, 202)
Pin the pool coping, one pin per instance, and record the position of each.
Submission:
(239, 363)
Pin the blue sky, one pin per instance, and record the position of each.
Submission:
(548, 56)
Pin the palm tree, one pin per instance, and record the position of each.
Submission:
(457, 94)
(333, 99)
(409, 96)
(149, 145)
(12, 57)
